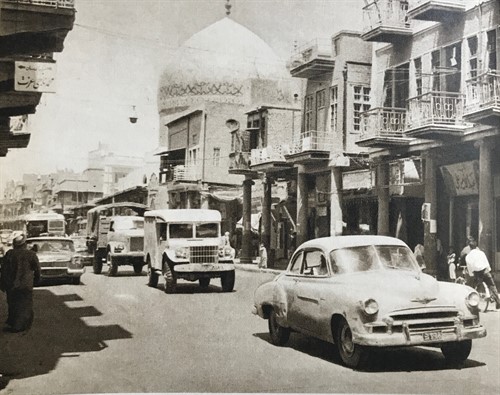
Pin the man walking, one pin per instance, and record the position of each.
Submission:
(479, 268)
(20, 269)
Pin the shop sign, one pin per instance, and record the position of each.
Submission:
(34, 77)
(361, 179)
(462, 179)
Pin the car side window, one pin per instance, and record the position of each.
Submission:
(111, 226)
(297, 263)
(315, 264)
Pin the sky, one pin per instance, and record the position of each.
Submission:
(113, 58)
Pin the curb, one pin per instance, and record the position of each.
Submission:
(249, 267)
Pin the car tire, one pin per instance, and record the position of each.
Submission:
(152, 276)
(204, 282)
(112, 265)
(75, 280)
(227, 281)
(279, 334)
(456, 352)
(352, 355)
(170, 279)
(97, 264)
(138, 267)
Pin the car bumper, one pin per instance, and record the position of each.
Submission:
(419, 338)
(129, 254)
(53, 272)
(203, 267)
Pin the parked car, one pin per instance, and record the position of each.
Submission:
(80, 243)
(368, 291)
(57, 257)
(187, 244)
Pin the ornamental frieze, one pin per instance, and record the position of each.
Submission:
(200, 88)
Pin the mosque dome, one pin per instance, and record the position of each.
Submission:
(215, 63)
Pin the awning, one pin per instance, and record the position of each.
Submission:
(161, 151)
(225, 196)
(254, 222)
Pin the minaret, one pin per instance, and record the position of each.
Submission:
(228, 7)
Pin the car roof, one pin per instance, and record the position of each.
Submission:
(185, 215)
(337, 242)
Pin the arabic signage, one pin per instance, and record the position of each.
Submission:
(361, 179)
(462, 179)
(34, 77)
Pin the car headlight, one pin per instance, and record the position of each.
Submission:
(182, 252)
(77, 260)
(472, 299)
(370, 306)
(119, 247)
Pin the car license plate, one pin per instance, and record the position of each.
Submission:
(432, 336)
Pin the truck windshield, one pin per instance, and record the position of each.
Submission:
(207, 230)
(181, 231)
(127, 223)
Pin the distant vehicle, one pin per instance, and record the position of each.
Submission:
(361, 292)
(186, 244)
(58, 258)
(37, 224)
(115, 234)
(81, 249)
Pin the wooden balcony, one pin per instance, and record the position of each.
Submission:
(180, 173)
(383, 128)
(436, 115)
(34, 26)
(386, 21)
(482, 100)
(436, 10)
(312, 59)
(311, 146)
(13, 140)
(270, 159)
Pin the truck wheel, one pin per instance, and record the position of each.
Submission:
(138, 267)
(227, 281)
(204, 282)
(456, 352)
(112, 265)
(97, 264)
(352, 355)
(279, 334)
(170, 279)
(152, 276)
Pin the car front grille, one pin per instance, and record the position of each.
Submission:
(136, 243)
(54, 272)
(204, 254)
(425, 319)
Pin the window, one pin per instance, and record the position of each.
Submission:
(216, 157)
(309, 115)
(334, 109)
(207, 230)
(315, 264)
(181, 231)
(491, 49)
(297, 263)
(472, 43)
(436, 64)
(321, 109)
(361, 104)
(453, 64)
(418, 75)
(397, 86)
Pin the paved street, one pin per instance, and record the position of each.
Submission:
(118, 335)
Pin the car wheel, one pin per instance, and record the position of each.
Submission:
(279, 334)
(112, 265)
(456, 352)
(170, 279)
(352, 355)
(152, 276)
(138, 267)
(227, 281)
(204, 282)
(75, 280)
(97, 264)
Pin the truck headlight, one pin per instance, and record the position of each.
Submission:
(370, 306)
(182, 252)
(472, 299)
(119, 247)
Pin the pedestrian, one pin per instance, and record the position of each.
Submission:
(465, 251)
(227, 245)
(419, 255)
(262, 256)
(442, 263)
(20, 270)
(480, 270)
(452, 266)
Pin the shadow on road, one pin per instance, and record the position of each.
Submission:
(404, 359)
(58, 331)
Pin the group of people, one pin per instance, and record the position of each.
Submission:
(19, 271)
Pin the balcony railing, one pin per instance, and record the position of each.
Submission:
(46, 3)
(187, 173)
(313, 140)
(383, 122)
(435, 108)
(275, 153)
(483, 92)
(385, 13)
(318, 48)
(239, 161)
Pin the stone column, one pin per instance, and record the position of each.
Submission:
(246, 244)
(335, 201)
(430, 252)
(486, 199)
(383, 199)
(266, 220)
(301, 205)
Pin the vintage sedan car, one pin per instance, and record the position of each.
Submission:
(57, 257)
(80, 243)
(360, 292)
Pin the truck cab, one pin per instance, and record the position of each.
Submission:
(186, 244)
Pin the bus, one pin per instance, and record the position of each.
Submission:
(45, 224)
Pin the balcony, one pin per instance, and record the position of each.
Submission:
(270, 158)
(436, 115)
(436, 10)
(383, 128)
(482, 101)
(386, 21)
(34, 26)
(239, 163)
(312, 59)
(180, 173)
(311, 146)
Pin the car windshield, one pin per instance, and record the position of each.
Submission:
(127, 223)
(207, 230)
(51, 246)
(181, 231)
(373, 257)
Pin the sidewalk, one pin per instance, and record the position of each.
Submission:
(253, 267)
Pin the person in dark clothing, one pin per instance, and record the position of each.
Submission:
(20, 270)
